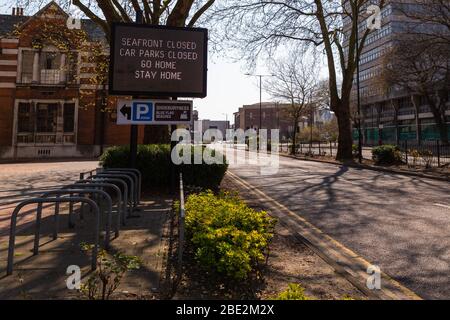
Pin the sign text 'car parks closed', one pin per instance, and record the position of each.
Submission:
(154, 112)
(157, 60)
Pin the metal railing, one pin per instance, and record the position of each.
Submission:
(426, 153)
(40, 201)
(83, 191)
(181, 224)
(98, 182)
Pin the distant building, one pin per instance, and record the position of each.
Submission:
(274, 116)
(221, 125)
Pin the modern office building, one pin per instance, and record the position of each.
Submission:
(389, 115)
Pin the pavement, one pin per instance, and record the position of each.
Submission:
(44, 276)
(400, 223)
(20, 180)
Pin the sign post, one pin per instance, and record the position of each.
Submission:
(134, 128)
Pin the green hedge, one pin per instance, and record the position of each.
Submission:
(386, 154)
(154, 162)
(228, 236)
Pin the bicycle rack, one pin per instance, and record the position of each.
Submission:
(120, 176)
(102, 185)
(125, 192)
(40, 201)
(139, 184)
(129, 173)
(84, 191)
(90, 173)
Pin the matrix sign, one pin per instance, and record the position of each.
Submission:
(158, 61)
(154, 112)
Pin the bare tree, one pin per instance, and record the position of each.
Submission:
(262, 26)
(178, 13)
(294, 82)
(432, 19)
(421, 66)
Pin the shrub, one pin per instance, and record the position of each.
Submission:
(293, 292)
(415, 154)
(109, 273)
(154, 162)
(386, 154)
(355, 150)
(227, 236)
(427, 157)
(205, 176)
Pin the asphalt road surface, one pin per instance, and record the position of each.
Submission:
(397, 222)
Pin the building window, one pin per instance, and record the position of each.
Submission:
(46, 116)
(53, 67)
(50, 63)
(27, 66)
(50, 123)
(69, 117)
(24, 118)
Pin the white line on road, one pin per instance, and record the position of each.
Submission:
(441, 205)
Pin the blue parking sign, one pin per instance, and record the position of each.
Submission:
(142, 111)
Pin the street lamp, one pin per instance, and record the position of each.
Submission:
(358, 95)
(260, 99)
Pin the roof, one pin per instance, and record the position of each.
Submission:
(8, 22)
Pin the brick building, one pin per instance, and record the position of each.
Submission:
(275, 116)
(272, 117)
(49, 105)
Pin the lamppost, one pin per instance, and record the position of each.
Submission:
(260, 101)
(358, 95)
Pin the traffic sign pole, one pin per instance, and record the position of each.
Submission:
(134, 128)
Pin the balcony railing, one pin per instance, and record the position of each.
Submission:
(50, 77)
(45, 138)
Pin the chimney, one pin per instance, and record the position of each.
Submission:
(17, 11)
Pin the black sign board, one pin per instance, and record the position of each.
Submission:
(158, 61)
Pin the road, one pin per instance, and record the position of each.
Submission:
(400, 223)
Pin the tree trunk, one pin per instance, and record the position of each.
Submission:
(293, 137)
(441, 126)
(345, 140)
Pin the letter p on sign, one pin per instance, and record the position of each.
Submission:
(142, 111)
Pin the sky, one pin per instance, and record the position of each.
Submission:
(228, 89)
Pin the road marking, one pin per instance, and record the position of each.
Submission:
(441, 205)
(409, 293)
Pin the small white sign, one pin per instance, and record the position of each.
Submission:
(154, 112)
